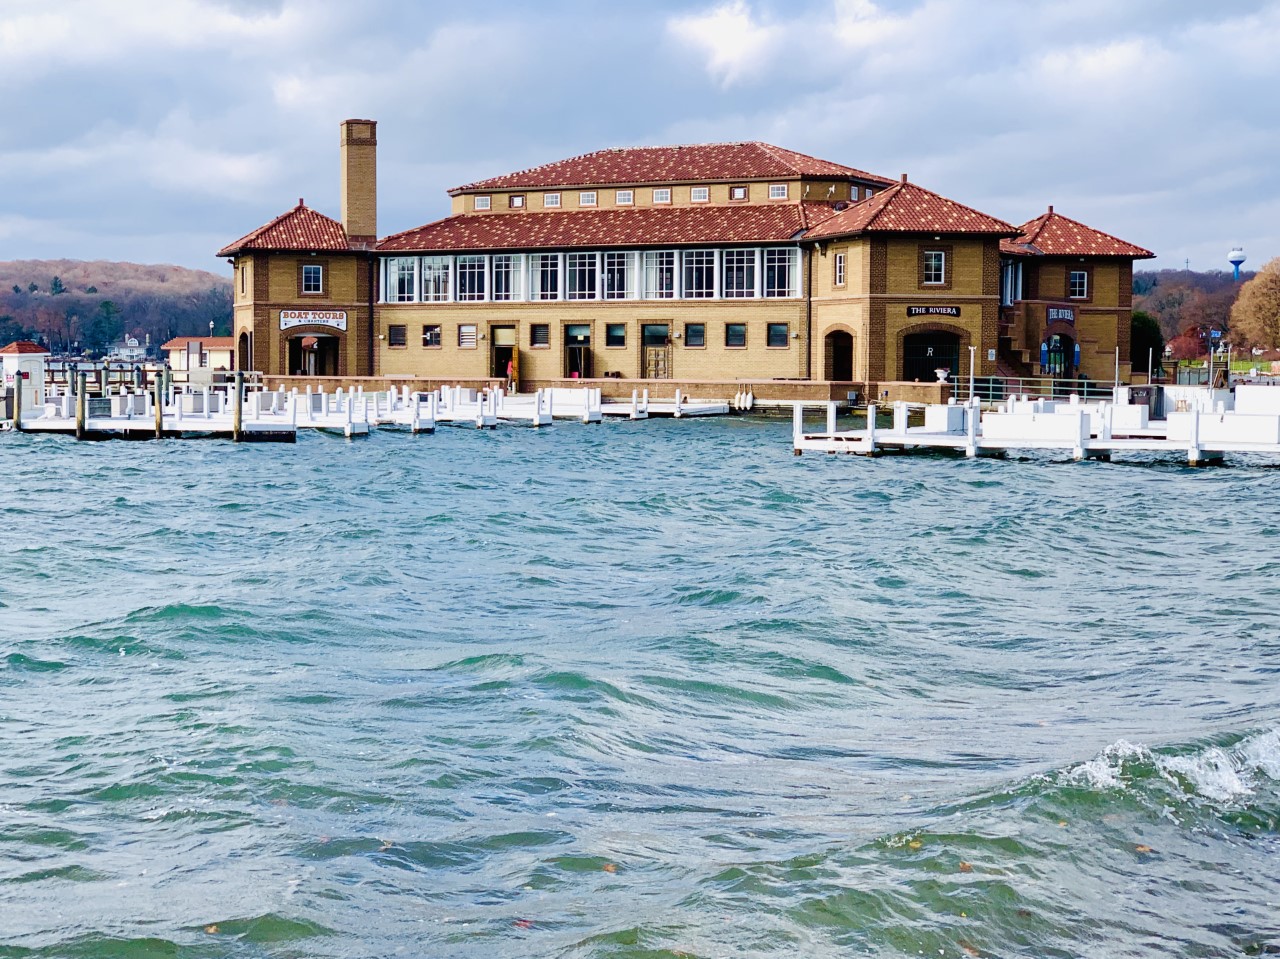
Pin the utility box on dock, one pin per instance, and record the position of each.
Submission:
(23, 363)
(944, 419)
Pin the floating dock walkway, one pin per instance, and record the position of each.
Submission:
(1204, 426)
(277, 416)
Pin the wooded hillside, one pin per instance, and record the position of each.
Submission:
(87, 306)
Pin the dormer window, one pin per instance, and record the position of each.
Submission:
(550, 200)
(738, 194)
(625, 197)
(662, 195)
(515, 201)
(700, 194)
(484, 202)
(777, 191)
(587, 198)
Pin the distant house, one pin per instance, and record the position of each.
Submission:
(199, 357)
(129, 350)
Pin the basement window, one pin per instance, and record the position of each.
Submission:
(735, 335)
(695, 334)
(540, 335)
(778, 336)
(615, 334)
(397, 335)
(467, 336)
(431, 336)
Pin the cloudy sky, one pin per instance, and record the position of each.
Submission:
(158, 131)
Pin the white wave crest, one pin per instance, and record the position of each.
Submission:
(1213, 773)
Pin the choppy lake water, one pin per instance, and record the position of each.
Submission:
(632, 690)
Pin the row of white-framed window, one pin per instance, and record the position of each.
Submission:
(703, 274)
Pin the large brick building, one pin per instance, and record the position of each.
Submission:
(727, 261)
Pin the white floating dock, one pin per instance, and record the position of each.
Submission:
(1203, 428)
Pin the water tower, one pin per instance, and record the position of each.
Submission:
(1235, 258)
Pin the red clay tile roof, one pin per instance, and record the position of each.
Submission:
(1052, 234)
(907, 208)
(300, 229)
(209, 342)
(672, 164)
(22, 348)
(642, 226)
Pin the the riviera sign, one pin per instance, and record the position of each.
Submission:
(335, 318)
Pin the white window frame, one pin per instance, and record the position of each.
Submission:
(662, 195)
(509, 266)
(625, 197)
(695, 263)
(441, 275)
(399, 269)
(483, 203)
(1084, 284)
(585, 267)
(780, 257)
(777, 191)
(656, 264)
(941, 271)
(550, 201)
(537, 262)
(318, 271)
(748, 261)
(840, 278)
(612, 262)
(587, 198)
(700, 194)
(474, 267)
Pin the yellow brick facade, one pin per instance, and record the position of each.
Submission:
(884, 318)
(713, 361)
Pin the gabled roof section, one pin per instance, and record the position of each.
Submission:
(672, 164)
(208, 342)
(1052, 234)
(640, 226)
(302, 228)
(23, 348)
(907, 208)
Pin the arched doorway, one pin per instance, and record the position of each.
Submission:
(1058, 356)
(838, 356)
(313, 354)
(244, 353)
(926, 352)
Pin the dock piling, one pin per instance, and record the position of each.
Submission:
(797, 426)
(158, 401)
(81, 407)
(17, 403)
(237, 408)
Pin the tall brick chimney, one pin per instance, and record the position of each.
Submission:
(360, 181)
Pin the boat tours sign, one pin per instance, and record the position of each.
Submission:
(335, 318)
(1061, 314)
(933, 311)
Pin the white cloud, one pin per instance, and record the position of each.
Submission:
(730, 38)
(37, 39)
